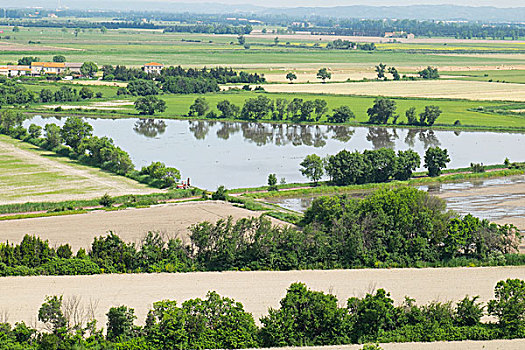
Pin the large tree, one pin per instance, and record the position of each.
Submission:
(74, 131)
(435, 160)
(312, 167)
(382, 110)
(324, 74)
(89, 69)
(149, 105)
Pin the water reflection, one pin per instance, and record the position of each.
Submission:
(149, 127)
(262, 134)
(428, 137)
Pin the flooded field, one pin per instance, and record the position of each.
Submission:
(238, 154)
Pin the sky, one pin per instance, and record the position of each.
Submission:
(327, 3)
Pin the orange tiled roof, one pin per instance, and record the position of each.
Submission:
(48, 64)
(154, 64)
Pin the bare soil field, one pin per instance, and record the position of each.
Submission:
(472, 90)
(95, 83)
(171, 220)
(30, 174)
(18, 47)
(21, 297)
(514, 344)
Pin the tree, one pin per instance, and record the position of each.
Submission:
(120, 323)
(406, 163)
(166, 176)
(149, 105)
(103, 30)
(276, 41)
(429, 73)
(380, 69)
(291, 76)
(411, 116)
(509, 306)
(272, 182)
(89, 69)
(77, 31)
(257, 108)
(468, 312)
(382, 110)
(85, 93)
(74, 131)
(51, 314)
(305, 317)
(228, 109)
(46, 95)
(436, 159)
(199, 107)
(241, 39)
(59, 58)
(312, 167)
(341, 115)
(53, 137)
(35, 131)
(324, 74)
(321, 108)
(220, 194)
(16, 29)
(10, 119)
(26, 61)
(429, 116)
(394, 72)
(141, 87)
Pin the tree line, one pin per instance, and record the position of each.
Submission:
(304, 317)
(401, 227)
(372, 166)
(370, 27)
(261, 107)
(212, 28)
(75, 140)
(221, 75)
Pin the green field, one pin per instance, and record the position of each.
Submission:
(178, 106)
(507, 76)
(28, 173)
(135, 47)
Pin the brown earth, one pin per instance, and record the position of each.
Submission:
(21, 297)
(170, 220)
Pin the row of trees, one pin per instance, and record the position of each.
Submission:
(304, 317)
(262, 107)
(298, 110)
(75, 140)
(349, 45)
(372, 166)
(221, 75)
(391, 227)
(210, 29)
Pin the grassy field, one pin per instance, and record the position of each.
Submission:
(178, 106)
(30, 174)
(135, 47)
(507, 76)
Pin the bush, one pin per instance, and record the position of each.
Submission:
(106, 201)
(220, 194)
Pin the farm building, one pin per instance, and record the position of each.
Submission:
(15, 71)
(39, 68)
(153, 67)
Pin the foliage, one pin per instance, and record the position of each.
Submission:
(341, 115)
(509, 306)
(120, 323)
(435, 160)
(166, 176)
(272, 182)
(59, 58)
(429, 73)
(291, 76)
(74, 131)
(324, 74)
(382, 110)
(220, 194)
(199, 107)
(106, 200)
(148, 105)
(89, 69)
(312, 167)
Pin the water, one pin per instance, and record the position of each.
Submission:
(237, 155)
(490, 206)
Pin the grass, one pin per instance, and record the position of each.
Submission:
(467, 112)
(36, 173)
(325, 189)
(135, 47)
(507, 76)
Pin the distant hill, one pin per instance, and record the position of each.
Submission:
(422, 12)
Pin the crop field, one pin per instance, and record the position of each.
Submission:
(30, 174)
(424, 89)
(507, 76)
(135, 47)
(132, 225)
(21, 297)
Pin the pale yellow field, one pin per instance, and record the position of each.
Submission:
(21, 297)
(170, 220)
(472, 90)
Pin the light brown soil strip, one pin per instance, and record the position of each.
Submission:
(21, 297)
(171, 220)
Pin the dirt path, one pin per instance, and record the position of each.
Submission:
(21, 297)
(171, 220)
